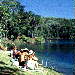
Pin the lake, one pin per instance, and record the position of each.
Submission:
(56, 54)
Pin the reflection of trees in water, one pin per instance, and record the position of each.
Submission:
(52, 46)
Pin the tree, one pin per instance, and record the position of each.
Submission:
(9, 19)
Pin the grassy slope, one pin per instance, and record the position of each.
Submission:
(6, 67)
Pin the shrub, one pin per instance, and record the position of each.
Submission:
(19, 43)
(24, 38)
(6, 43)
(27, 39)
(40, 39)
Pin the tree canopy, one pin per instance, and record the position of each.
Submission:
(16, 21)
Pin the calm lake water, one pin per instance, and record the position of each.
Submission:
(56, 54)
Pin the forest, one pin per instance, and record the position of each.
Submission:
(15, 22)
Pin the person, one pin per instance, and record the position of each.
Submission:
(13, 52)
(21, 58)
(32, 62)
(26, 54)
(14, 55)
(32, 55)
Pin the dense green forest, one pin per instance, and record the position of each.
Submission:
(16, 21)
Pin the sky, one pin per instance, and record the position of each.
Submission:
(50, 8)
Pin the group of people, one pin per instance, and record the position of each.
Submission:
(25, 57)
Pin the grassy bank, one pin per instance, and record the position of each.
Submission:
(6, 68)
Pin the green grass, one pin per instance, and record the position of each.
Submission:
(6, 68)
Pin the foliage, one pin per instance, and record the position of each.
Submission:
(16, 21)
(39, 39)
(19, 43)
(7, 43)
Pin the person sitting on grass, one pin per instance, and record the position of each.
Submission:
(26, 53)
(26, 58)
(32, 62)
(14, 52)
(23, 58)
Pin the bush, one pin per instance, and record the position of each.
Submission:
(19, 43)
(24, 38)
(40, 39)
(10, 46)
(27, 39)
(6, 43)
